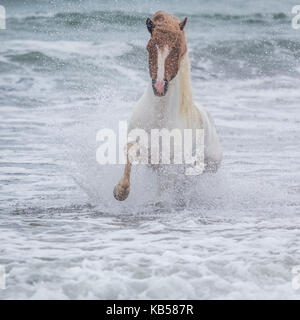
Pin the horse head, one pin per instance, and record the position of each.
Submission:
(166, 47)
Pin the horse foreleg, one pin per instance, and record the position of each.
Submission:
(122, 189)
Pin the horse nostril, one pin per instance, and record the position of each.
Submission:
(160, 85)
(166, 84)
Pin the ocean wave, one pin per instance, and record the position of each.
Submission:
(238, 58)
(87, 57)
(129, 19)
(79, 19)
(251, 18)
(34, 57)
(246, 58)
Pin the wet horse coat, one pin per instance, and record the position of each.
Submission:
(168, 100)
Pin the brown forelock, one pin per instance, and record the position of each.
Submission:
(166, 32)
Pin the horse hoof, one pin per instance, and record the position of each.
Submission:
(121, 193)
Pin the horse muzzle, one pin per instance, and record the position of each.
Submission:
(160, 87)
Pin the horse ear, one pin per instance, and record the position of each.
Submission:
(182, 24)
(150, 25)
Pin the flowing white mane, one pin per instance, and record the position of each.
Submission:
(186, 92)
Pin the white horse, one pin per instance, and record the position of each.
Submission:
(168, 100)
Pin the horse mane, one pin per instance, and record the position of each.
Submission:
(186, 93)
